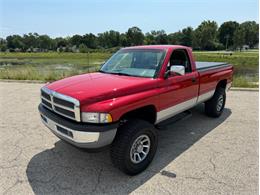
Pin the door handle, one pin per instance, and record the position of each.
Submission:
(193, 80)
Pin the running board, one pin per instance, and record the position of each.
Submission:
(182, 116)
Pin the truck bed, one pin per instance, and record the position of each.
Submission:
(202, 66)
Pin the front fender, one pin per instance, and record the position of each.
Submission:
(117, 107)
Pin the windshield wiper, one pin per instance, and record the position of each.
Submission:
(120, 73)
(117, 73)
(103, 71)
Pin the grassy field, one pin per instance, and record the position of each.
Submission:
(245, 64)
(53, 66)
(48, 66)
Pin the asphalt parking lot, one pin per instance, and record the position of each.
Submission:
(198, 155)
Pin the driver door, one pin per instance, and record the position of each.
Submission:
(179, 92)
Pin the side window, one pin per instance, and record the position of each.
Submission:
(180, 57)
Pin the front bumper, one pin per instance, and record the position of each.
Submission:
(82, 135)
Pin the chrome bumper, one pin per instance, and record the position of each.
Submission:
(82, 139)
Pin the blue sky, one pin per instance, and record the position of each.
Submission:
(69, 17)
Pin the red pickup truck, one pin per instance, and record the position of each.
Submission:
(135, 90)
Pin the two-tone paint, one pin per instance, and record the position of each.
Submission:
(117, 94)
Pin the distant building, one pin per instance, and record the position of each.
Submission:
(74, 49)
(245, 47)
(17, 50)
(36, 50)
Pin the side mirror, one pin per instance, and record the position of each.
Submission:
(177, 69)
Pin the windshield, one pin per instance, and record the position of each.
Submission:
(135, 62)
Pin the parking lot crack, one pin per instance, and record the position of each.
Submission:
(218, 181)
(213, 164)
(98, 180)
(192, 177)
(18, 181)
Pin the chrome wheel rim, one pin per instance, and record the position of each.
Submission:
(220, 103)
(140, 149)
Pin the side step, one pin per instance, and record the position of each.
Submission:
(182, 116)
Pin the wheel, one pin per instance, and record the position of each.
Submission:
(134, 146)
(215, 106)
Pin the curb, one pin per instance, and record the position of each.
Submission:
(22, 81)
(243, 89)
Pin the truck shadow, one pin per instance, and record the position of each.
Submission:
(65, 169)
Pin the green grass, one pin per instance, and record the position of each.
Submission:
(240, 81)
(51, 58)
(54, 66)
(244, 62)
(48, 66)
(31, 73)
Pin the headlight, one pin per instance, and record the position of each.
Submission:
(94, 117)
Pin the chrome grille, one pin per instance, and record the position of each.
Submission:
(61, 104)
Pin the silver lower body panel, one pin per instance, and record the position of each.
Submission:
(80, 139)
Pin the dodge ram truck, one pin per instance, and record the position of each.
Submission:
(121, 105)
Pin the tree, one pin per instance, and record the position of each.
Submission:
(109, 39)
(90, 40)
(149, 39)
(226, 33)
(246, 34)
(76, 40)
(15, 42)
(186, 36)
(205, 36)
(123, 40)
(175, 38)
(250, 29)
(156, 37)
(135, 36)
(103, 40)
(160, 37)
(3, 45)
(239, 37)
(45, 42)
(60, 42)
(83, 48)
(31, 40)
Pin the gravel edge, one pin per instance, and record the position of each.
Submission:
(21, 81)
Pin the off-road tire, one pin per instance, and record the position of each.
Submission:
(212, 105)
(121, 146)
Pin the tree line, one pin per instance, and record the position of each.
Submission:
(207, 36)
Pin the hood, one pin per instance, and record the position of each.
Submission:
(94, 87)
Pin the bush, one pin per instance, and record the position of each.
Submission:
(83, 48)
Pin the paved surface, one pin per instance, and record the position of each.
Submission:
(199, 155)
